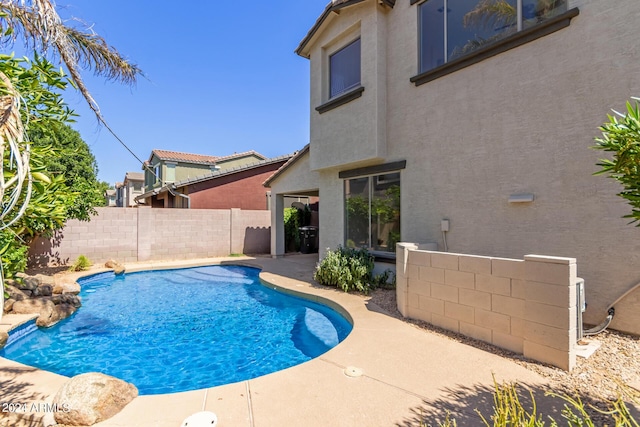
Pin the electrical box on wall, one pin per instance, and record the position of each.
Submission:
(444, 225)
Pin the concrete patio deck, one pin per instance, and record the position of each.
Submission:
(408, 374)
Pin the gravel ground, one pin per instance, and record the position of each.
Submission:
(595, 379)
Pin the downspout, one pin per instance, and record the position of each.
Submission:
(181, 195)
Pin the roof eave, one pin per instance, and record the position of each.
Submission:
(330, 12)
(284, 158)
(287, 165)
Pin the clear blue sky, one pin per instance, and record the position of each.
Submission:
(222, 77)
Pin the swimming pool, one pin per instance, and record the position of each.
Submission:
(175, 330)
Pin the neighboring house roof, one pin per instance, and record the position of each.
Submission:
(333, 6)
(296, 156)
(110, 193)
(201, 159)
(215, 175)
(134, 176)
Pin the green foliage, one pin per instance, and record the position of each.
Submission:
(508, 410)
(72, 159)
(621, 136)
(12, 253)
(64, 183)
(81, 264)
(384, 280)
(291, 225)
(346, 268)
(39, 84)
(295, 218)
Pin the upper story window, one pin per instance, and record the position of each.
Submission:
(344, 69)
(157, 170)
(450, 29)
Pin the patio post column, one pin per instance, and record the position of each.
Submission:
(277, 225)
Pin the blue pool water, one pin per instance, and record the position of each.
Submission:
(177, 330)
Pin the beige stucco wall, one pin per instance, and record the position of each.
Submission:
(358, 132)
(520, 122)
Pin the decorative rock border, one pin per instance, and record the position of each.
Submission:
(39, 295)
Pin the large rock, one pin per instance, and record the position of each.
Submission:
(43, 290)
(74, 300)
(29, 283)
(8, 305)
(17, 294)
(91, 398)
(118, 268)
(67, 288)
(62, 311)
(3, 338)
(44, 307)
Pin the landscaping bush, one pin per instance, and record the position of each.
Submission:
(346, 268)
(621, 136)
(81, 264)
(508, 410)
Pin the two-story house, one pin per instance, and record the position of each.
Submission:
(196, 181)
(129, 189)
(457, 110)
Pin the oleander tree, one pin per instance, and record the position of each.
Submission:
(621, 136)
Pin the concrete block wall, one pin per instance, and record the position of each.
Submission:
(250, 231)
(146, 234)
(527, 306)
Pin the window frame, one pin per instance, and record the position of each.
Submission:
(520, 37)
(355, 91)
(342, 50)
(373, 174)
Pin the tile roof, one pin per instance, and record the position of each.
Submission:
(213, 175)
(202, 159)
(183, 157)
(134, 176)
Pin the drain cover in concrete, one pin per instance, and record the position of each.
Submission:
(352, 372)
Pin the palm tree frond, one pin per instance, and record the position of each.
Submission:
(42, 29)
(491, 14)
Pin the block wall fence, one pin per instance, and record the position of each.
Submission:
(147, 234)
(527, 306)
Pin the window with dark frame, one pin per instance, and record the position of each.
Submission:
(372, 212)
(344, 69)
(450, 29)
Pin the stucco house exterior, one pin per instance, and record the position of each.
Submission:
(129, 189)
(207, 182)
(437, 110)
(166, 167)
(110, 197)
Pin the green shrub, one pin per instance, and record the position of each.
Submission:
(621, 136)
(291, 224)
(384, 280)
(81, 264)
(295, 218)
(508, 411)
(346, 268)
(13, 253)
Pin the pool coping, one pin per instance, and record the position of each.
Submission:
(405, 371)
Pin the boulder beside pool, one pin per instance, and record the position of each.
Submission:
(87, 399)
